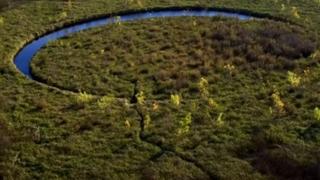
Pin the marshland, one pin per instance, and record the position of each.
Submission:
(181, 97)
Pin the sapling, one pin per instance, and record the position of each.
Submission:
(230, 68)
(127, 123)
(140, 98)
(139, 3)
(118, 20)
(126, 103)
(219, 120)
(105, 102)
(175, 99)
(63, 14)
(83, 97)
(194, 23)
(279, 104)
(69, 4)
(203, 87)
(155, 106)
(212, 103)
(316, 113)
(1, 20)
(295, 12)
(293, 79)
(184, 124)
(37, 135)
(194, 106)
(315, 54)
(147, 121)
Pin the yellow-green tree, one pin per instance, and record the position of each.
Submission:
(316, 114)
(184, 124)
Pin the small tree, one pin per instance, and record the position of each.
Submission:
(1, 20)
(175, 99)
(140, 98)
(283, 7)
(315, 54)
(230, 68)
(278, 103)
(294, 79)
(295, 12)
(212, 103)
(219, 121)
(316, 114)
(105, 101)
(127, 123)
(63, 14)
(69, 4)
(155, 106)
(203, 87)
(184, 124)
(147, 121)
(140, 4)
(83, 97)
(118, 20)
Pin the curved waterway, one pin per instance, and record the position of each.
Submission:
(24, 57)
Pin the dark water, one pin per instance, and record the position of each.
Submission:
(24, 57)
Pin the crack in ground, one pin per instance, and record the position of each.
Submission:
(164, 150)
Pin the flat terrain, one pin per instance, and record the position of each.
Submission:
(169, 98)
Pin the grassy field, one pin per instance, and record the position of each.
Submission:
(201, 98)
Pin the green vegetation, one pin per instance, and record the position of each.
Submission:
(83, 97)
(278, 103)
(184, 124)
(228, 74)
(317, 113)
(170, 56)
(175, 99)
(294, 79)
(105, 102)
